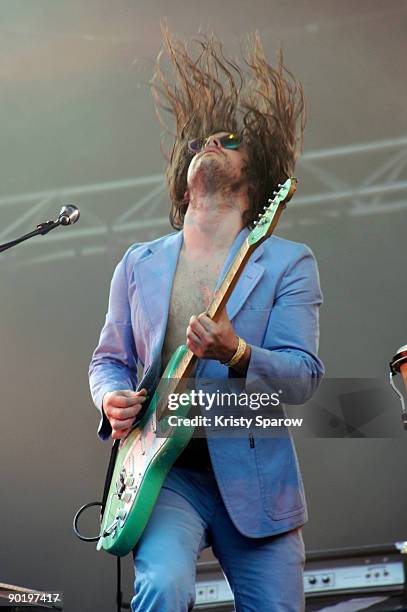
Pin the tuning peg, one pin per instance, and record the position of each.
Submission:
(254, 222)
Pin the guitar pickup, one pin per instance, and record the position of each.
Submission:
(129, 482)
(126, 497)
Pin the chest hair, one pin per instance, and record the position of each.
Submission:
(192, 291)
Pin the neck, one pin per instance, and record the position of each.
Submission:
(212, 223)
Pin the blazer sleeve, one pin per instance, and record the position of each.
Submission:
(114, 362)
(288, 356)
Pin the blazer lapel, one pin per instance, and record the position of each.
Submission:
(155, 275)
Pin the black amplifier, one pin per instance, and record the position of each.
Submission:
(371, 577)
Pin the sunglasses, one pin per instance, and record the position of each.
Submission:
(228, 141)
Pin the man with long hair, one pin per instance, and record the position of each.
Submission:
(236, 134)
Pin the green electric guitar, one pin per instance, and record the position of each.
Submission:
(142, 460)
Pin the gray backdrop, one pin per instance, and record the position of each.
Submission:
(78, 125)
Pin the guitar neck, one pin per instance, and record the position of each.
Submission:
(222, 294)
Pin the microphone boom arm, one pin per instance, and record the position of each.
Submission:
(68, 215)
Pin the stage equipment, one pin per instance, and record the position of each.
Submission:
(68, 215)
(374, 575)
(398, 365)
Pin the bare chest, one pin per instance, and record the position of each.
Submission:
(192, 291)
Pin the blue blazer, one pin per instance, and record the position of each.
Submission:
(274, 307)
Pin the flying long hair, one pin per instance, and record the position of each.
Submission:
(206, 92)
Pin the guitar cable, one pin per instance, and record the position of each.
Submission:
(120, 605)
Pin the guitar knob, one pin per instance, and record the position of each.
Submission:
(121, 514)
(126, 497)
(129, 481)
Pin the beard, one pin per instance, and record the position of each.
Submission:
(213, 176)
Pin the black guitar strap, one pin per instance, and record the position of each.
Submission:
(109, 475)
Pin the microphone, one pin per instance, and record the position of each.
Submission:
(69, 214)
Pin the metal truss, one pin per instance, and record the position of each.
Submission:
(354, 180)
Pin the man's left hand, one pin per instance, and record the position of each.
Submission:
(210, 340)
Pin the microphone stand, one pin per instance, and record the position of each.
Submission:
(42, 228)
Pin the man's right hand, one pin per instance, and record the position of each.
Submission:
(121, 408)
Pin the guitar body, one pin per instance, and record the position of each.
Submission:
(144, 458)
(141, 466)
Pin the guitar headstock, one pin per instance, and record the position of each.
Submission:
(264, 226)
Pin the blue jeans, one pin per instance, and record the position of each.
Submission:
(265, 574)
